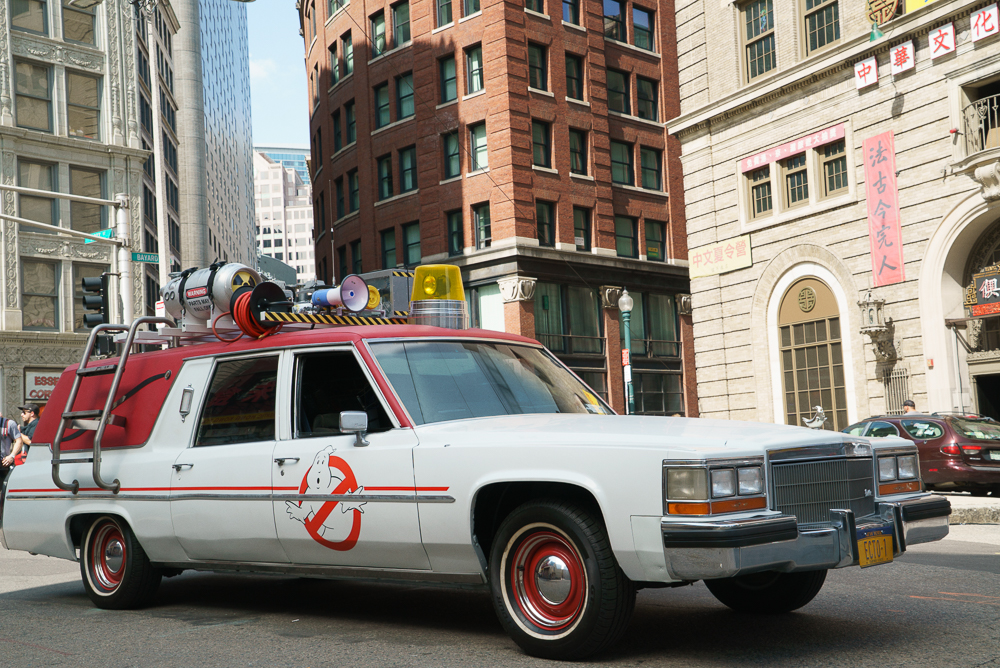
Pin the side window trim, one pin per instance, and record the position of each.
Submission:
(206, 393)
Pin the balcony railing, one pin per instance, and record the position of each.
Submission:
(568, 344)
(655, 348)
(982, 124)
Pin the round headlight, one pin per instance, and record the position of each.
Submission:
(886, 468)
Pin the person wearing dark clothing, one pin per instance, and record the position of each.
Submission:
(10, 445)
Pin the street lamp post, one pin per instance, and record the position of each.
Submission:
(625, 304)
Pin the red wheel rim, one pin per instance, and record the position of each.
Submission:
(532, 565)
(107, 557)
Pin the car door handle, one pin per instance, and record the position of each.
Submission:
(178, 467)
(280, 461)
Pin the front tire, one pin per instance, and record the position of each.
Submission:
(557, 588)
(116, 572)
(768, 592)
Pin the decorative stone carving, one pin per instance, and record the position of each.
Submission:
(988, 177)
(684, 305)
(984, 356)
(6, 113)
(974, 333)
(36, 48)
(114, 13)
(517, 289)
(610, 295)
(10, 236)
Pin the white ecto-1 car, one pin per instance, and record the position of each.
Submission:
(457, 457)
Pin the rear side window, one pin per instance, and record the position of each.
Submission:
(240, 404)
(981, 430)
(856, 429)
(922, 429)
(882, 429)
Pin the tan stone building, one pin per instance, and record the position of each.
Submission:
(779, 104)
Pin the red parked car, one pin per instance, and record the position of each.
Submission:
(959, 452)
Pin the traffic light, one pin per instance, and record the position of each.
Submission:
(97, 300)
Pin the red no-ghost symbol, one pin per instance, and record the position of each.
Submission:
(314, 524)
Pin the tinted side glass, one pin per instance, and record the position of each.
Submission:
(856, 429)
(882, 429)
(240, 404)
(922, 429)
(330, 382)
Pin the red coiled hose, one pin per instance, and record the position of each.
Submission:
(244, 318)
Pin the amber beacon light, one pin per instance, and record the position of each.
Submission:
(438, 298)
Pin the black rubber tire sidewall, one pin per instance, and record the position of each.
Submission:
(784, 593)
(140, 579)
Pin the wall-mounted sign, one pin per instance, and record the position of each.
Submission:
(720, 258)
(865, 73)
(985, 296)
(902, 58)
(883, 209)
(791, 148)
(983, 23)
(880, 11)
(942, 40)
(914, 5)
(39, 383)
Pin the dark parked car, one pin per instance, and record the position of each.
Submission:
(959, 452)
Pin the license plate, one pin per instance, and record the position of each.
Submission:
(874, 546)
(994, 455)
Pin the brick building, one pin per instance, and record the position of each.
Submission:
(525, 144)
(792, 117)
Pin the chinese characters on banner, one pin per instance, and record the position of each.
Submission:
(883, 209)
(901, 58)
(983, 23)
(818, 138)
(866, 73)
(720, 258)
(942, 40)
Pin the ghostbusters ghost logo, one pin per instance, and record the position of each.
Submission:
(329, 475)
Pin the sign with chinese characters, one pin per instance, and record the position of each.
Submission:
(721, 257)
(986, 299)
(883, 209)
(914, 5)
(983, 23)
(902, 58)
(880, 11)
(792, 148)
(38, 384)
(866, 73)
(942, 40)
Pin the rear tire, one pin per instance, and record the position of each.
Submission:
(116, 572)
(768, 592)
(557, 588)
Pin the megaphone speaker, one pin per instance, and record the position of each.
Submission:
(352, 294)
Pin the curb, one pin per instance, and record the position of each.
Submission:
(974, 516)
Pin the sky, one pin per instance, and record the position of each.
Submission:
(277, 74)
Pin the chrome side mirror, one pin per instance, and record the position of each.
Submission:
(355, 422)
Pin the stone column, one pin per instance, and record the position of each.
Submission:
(615, 378)
(518, 293)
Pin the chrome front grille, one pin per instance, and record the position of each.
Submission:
(810, 489)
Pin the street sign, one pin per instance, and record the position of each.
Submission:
(625, 356)
(152, 258)
(106, 234)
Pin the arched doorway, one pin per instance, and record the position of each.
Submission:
(983, 335)
(811, 354)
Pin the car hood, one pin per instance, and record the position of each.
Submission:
(695, 436)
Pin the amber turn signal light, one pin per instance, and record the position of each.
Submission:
(688, 508)
(737, 505)
(899, 488)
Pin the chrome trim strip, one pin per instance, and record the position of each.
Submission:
(354, 498)
(336, 572)
(896, 450)
(985, 468)
(806, 452)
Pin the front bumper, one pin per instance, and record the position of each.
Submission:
(722, 549)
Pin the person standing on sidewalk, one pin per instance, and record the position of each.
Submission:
(29, 416)
(10, 445)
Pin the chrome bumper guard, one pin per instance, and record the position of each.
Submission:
(722, 549)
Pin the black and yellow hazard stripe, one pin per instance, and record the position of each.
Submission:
(408, 274)
(322, 319)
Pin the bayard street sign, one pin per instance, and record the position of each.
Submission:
(151, 258)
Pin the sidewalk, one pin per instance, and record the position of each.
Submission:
(968, 509)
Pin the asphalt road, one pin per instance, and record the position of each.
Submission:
(938, 605)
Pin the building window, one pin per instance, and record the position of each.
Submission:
(541, 147)
(400, 24)
(389, 248)
(621, 163)
(334, 65)
(30, 16)
(456, 241)
(571, 11)
(348, 50)
(761, 57)
(760, 192)
(444, 12)
(339, 188)
(352, 125)
(656, 235)
(39, 295)
(574, 77)
(452, 163)
(314, 86)
(334, 6)
(384, 177)
(834, 161)
(472, 7)
(85, 217)
(567, 319)
(378, 34)
(614, 20)
(40, 177)
(477, 146)
(382, 105)
(796, 181)
(544, 217)
(822, 24)
(625, 236)
(353, 196)
(577, 151)
(618, 93)
(581, 228)
(338, 140)
(535, 6)
(78, 24)
(449, 86)
(34, 97)
(404, 96)
(646, 92)
(536, 67)
(408, 169)
(642, 28)
(474, 69)
(481, 220)
(356, 256)
(411, 244)
(650, 164)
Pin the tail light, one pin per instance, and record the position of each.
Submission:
(972, 449)
(951, 449)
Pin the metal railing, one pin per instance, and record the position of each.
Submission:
(570, 344)
(655, 348)
(982, 124)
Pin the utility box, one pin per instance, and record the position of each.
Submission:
(394, 286)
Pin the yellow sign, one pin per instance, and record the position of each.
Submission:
(914, 5)
(720, 258)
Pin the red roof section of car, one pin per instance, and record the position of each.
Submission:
(149, 376)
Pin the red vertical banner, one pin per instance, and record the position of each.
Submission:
(883, 209)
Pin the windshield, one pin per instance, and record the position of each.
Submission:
(983, 430)
(453, 380)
